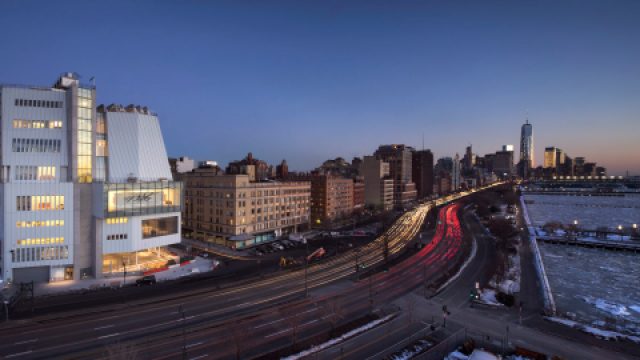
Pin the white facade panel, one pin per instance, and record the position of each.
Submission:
(13, 233)
(133, 231)
(10, 112)
(136, 147)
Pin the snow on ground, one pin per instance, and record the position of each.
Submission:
(456, 355)
(488, 296)
(595, 286)
(600, 333)
(340, 339)
(511, 282)
(590, 211)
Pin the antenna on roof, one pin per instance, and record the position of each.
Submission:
(527, 116)
(423, 141)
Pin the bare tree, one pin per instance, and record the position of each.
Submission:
(333, 312)
(121, 351)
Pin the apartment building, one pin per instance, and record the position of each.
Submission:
(64, 182)
(378, 185)
(331, 198)
(233, 211)
(399, 158)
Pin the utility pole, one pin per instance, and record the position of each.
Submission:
(306, 266)
(124, 273)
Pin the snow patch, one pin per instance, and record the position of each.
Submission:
(339, 339)
(599, 333)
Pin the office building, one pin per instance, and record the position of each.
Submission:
(234, 211)
(79, 185)
(378, 184)
(550, 157)
(331, 198)
(456, 174)
(526, 147)
(398, 157)
(503, 162)
(422, 172)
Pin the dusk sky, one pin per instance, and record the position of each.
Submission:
(312, 80)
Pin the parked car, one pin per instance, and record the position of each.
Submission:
(146, 280)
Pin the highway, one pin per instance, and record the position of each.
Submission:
(86, 334)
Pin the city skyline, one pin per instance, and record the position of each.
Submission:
(354, 75)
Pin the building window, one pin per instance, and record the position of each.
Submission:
(119, 220)
(39, 173)
(159, 227)
(39, 202)
(39, 103)
(117, 237)
(40, 254)
(84, 136)
(40, 241)
(39, 223)
(37, 124)
(35, 145)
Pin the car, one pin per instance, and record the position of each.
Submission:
(146, 280)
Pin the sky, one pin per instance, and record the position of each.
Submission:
(311, 80)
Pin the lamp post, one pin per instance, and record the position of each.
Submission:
(620, 230)
(357, 251)
(6, 310)
(124, 273)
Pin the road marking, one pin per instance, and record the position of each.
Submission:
(26, 342)
(269, 323)
(18, 354)
(195, 344)
(108, 336)
(278, 333)
(103, 327)
(199, 357)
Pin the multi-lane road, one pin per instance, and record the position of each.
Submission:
(205, 322)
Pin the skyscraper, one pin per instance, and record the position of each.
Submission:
(422, 172)
(456, 176)
(526, 145)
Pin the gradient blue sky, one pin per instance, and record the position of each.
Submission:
(311, 80)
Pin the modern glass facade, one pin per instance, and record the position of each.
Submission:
(142, 198)
(159, 227)
(85, 129)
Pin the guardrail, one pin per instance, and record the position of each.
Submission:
(549, 303)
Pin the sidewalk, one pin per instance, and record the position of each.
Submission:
(199, 265)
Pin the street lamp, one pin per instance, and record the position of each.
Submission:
(620, 230)
(6, 310)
